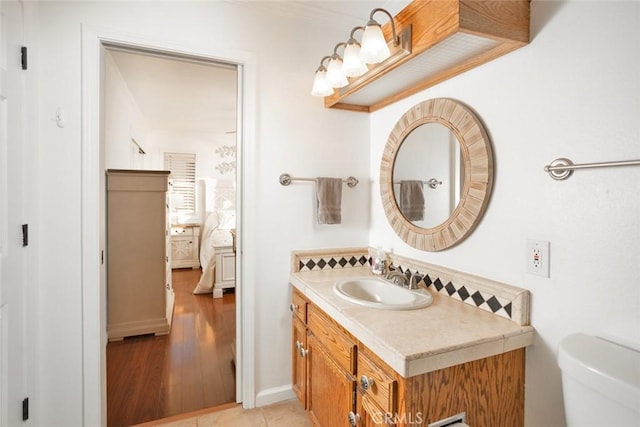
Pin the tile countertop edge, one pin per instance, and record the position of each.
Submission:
(521, 336)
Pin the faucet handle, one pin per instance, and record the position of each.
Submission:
(415, 279)
(397, 278)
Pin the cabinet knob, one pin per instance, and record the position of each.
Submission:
(303, 352)
(293, 308)
(366, 382)
(353, 418)
(298, 345)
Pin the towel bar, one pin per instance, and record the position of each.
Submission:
(433, 183)
(286, 179)
(562, 168)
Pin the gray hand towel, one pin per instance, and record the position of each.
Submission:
(412, 200)
(329, 195)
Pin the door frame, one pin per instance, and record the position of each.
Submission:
(94, 326)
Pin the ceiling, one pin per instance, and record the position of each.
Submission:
(179, 94)
(349, 12)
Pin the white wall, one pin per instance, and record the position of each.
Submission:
(573, 92)
(123, 120)
(203, 145)
(293, 133)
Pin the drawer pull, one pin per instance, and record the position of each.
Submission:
(366, 382)
(353, 418)
(293, 308)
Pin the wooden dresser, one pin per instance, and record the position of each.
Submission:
(139, 292)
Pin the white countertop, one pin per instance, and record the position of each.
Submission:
(413, 342)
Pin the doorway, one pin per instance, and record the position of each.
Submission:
(157, 106)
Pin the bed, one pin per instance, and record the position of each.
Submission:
(217, 234)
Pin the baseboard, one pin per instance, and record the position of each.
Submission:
(274, 395)
(121, 330)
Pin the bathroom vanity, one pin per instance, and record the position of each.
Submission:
(355, 365)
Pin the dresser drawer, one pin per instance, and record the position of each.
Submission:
(189, 231)
(341, 347)
(375, 383)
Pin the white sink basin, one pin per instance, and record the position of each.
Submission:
(378, 293)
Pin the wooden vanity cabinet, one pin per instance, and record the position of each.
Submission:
(490, 391)
(338, 378)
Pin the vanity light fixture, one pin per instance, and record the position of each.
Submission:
(374, 47)
(362, 61)
(320, 85)
(352, 64)
(335, 76)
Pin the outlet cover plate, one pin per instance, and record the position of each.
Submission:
(537, 257)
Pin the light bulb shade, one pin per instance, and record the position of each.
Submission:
(320, 85)
(374, 47)
(352, 65)
(335, 76)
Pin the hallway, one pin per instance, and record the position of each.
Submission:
(192, 368)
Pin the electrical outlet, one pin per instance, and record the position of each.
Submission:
(538, 257)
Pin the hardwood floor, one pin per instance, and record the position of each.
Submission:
(192, 368)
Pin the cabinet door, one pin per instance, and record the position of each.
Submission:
(299, 361)
(182, 250)
(330, 389)
(228, 267)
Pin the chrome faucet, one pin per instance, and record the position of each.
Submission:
(397, 278)
(414, 280)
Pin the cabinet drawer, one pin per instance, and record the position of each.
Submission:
(299, 306)
(341, 347)
(378, 385)
(182, 231)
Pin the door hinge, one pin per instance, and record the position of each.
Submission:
(23, 57)
(25, 409)
(25, 235)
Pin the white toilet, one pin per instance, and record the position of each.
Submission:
(600, 382)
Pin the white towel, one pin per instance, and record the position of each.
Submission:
(412, 200)
(329, 196)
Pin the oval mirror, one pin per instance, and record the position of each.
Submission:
(436, 174)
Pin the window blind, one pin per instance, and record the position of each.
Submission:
(183, 179)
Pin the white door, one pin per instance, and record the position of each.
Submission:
(13, 381)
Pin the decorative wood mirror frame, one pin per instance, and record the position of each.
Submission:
(477, 159)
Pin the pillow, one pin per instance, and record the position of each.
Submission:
(227, 219)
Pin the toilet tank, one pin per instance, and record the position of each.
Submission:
(600, 382)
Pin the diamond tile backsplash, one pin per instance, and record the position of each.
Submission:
(338, 261)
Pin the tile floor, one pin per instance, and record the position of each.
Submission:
(284, 414)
